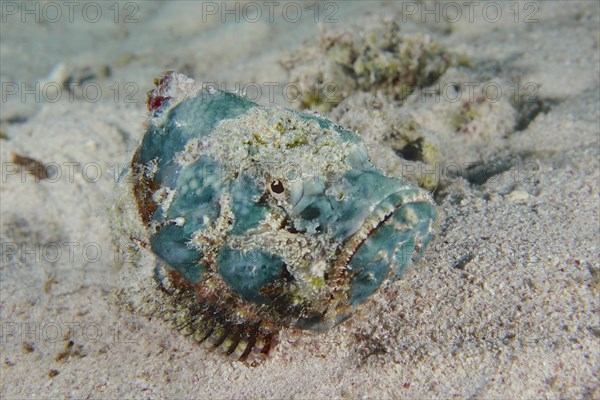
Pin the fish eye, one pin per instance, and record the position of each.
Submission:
(277, 187)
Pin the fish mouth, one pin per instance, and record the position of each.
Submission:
(343, 272)
(383, 211)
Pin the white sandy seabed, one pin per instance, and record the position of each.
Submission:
(504, 305)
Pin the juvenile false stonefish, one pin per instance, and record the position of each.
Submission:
(241, 219)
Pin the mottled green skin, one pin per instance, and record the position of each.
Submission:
(196, 117)
(327, 210)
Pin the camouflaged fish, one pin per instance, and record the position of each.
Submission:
(247, 219)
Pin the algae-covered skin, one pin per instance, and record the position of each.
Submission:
(244, 219)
